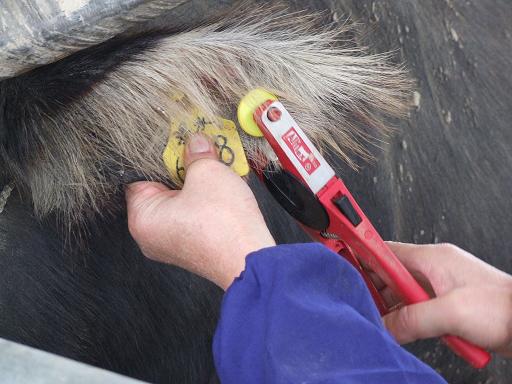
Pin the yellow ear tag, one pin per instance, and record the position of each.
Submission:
(225, 136)
(248, 106)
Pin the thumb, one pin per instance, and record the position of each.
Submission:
(432, 318)
(199, 147)
(202, 165)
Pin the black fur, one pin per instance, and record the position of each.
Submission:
(46, 90)
(109, 306)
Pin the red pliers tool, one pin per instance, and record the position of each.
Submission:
(309, 190)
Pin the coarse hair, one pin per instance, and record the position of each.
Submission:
(73, 130)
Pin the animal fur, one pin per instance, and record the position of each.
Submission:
(71, 131)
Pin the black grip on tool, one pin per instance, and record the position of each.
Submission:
(296, 198)
(345, 206)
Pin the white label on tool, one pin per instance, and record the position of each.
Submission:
(312, 167)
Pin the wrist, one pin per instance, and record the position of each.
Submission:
(233, 264)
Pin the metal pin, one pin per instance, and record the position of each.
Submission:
(274, 114)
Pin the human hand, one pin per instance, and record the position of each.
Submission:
(208, 227)
(473, 299)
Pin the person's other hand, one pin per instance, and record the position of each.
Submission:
(208, 227)
(473, 299)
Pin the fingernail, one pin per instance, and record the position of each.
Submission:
(199, 144)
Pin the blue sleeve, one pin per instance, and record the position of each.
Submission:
(302, 314)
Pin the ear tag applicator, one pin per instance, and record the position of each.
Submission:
(223, 133)
(308, 189)
(246, 108)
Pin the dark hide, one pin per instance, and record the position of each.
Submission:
(445, 176)
(108, 306)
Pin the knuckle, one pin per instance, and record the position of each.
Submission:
(447, 249)
(459, 312)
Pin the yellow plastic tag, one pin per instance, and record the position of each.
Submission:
(225, 137)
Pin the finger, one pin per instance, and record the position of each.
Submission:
(144, 190)
(391, 299)
(414, 257)
(432, 318)
(422, 262)
(199, 147)
(139, 196)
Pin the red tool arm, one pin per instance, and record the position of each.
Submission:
(347, 230)
(366, 243)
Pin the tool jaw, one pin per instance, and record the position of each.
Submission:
(246, 108)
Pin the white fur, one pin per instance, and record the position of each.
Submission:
(330, 86)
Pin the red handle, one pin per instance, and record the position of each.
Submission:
(349, 256)
(473, 354)
(364, 241)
